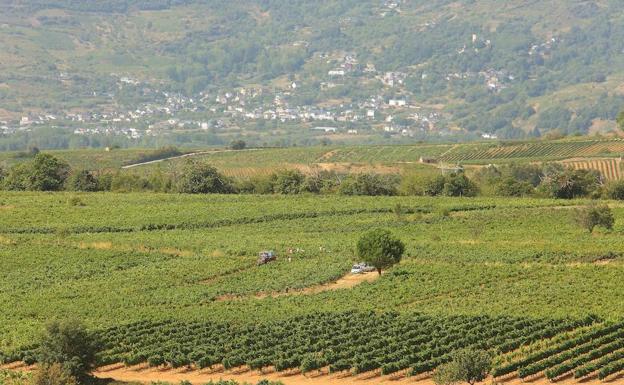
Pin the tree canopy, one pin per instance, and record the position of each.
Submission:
(595, 215)
(380, 248)
(69, 344)
(470, 366)
(202, 178)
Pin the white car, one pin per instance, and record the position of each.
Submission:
(361, 268)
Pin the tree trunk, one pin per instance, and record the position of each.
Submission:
(379, 270)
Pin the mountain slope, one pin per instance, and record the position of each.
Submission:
(503, 67)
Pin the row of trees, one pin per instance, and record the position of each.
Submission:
(48, 173)
(551, 180)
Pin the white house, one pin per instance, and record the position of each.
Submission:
(337, 72)
(397, 103)
(325, 129)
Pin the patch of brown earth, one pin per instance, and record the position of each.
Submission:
(144, 374)
(6, 241)
(603, 262)
(347, 282)
(139, 374)
(147, 375)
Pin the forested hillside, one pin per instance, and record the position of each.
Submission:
(379, 69)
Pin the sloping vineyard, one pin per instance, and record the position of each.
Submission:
(384, 154)
(596, 352)
(610, 169)
(476, 153)
(357, 342)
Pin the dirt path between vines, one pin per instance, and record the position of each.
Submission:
(347, 282)
(143, 374)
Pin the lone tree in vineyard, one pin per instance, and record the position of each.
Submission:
(469, 366)
(595, 215)
(380, 248)
(70, 346)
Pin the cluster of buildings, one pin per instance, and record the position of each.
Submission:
(389, 112)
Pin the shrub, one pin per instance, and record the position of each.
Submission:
(434, 186)
(127, 183)
(510, 187)
(82, 180)
(469, 366)
(238, 145)
(288, 182)
(70, 345)
(201, 178)
(75, 201)
(595, 215)
(47, 173)
(615, 190)
(567, 183)
(456, 185)
(17, 177)
(323, 182)
(369, 184)
(54, 374)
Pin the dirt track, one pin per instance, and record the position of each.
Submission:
(142, 374)
(347, 282)
(139, 374)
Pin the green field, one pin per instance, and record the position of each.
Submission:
(263, 161)
(90, 159)
(160, 260)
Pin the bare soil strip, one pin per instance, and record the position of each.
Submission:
(143, 374)
(347, 282)
(198, 377)
(288, 378)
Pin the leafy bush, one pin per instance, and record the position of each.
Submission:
(595, 215)
(288, 182)
(54, 374)
(615, 190)
(567, 183)
(82, 180)
(380, 248)
(468, 365)
(68, 344)
(43, 173)
(201, 178)
(510, 187)
(369, 184)
(455, 184)
(238, 145)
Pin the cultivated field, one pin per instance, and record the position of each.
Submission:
(610, 169)
(598, 154)
(170, 281)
